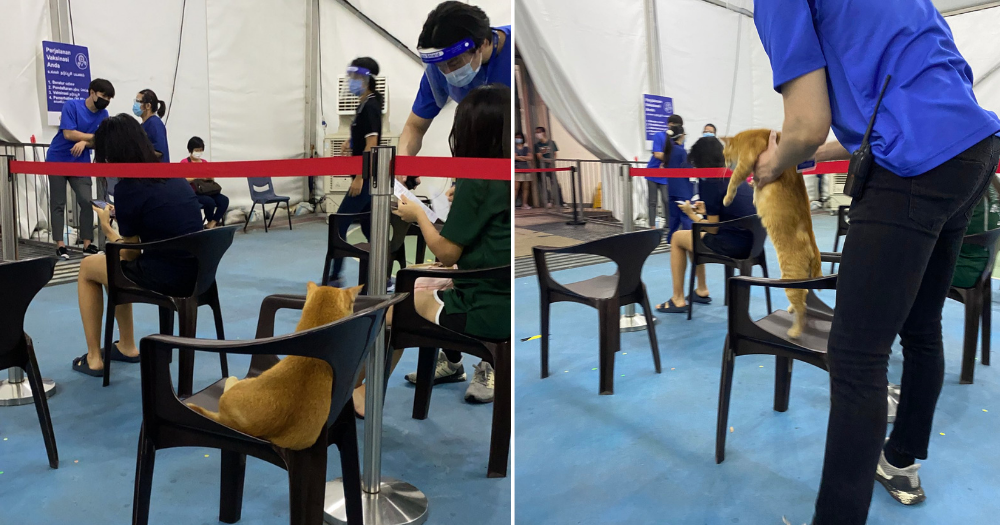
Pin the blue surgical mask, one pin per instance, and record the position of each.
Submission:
(707, 134)
(356, 86)
(137, 108)
(519, 141)
(462, 76)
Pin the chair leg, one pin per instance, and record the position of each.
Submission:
(188, 314)
(782, 382)
(694, 271)
(363, 275)
(651, 328)
(350, 465)
(109, 335)
(546, 311)
(326, 270)
(767, 289)
(426, 363)
(725, 389)
(143, 479)
(41, 406)
(421, 250)
(987, 321)
(836, 244)
(234, 467)
(289, 212)
(729, 275)
(973, 303)
(500, 432)
(249, 214)
(220, 333)
(610, 338)
(166, 321)
(307, 482)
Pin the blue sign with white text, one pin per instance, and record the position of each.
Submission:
(657, 109)
(67, 75)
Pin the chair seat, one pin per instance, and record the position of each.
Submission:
(815, 334)
(271, 200)
(208, 398)
(601, 287)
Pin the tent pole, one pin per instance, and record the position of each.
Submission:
(381, 30)
(653, 63)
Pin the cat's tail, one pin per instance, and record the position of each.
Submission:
(214, 416)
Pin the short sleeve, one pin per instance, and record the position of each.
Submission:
(425, 106)
(555, 147)
(372, 118)
(658, 139)
(68, 119)
(125, 209)
(709, 190)
(789, 37)
(466, 219)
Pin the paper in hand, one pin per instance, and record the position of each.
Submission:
(399, 190)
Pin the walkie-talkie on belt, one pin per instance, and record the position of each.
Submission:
(861, 159)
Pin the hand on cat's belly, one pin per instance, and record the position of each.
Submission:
(764, 171)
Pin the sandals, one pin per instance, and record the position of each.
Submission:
(695, 298)
(117, 355)
(80, 365)
(670, 308)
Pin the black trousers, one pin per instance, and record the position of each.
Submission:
(897, 267)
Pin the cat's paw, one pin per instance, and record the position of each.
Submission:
(728, 200)
(791, 308)
(230, 381)
(795, 331)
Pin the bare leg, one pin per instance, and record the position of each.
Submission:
(93, 275)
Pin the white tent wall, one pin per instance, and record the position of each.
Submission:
(23, 26)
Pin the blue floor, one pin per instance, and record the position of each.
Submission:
(97, 428)
(645, 455)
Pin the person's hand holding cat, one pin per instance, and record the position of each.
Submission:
(765, 171)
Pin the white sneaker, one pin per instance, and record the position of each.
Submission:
(481, 388)
(903, 484)
(445, 372)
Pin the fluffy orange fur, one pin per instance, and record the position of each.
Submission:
(783, 207)
(289, 403)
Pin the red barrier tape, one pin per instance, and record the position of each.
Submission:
(450, 167)
(682, 173)
(542, 170)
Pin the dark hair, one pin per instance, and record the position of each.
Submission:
(540, 128)
(195, 143)
(518, 134)
(675, 119)
(371, 65)
(121, 139)
(99, 85)
(707, 153)
(158, 106)
(482, 124)
(668, 145)
(713, 127)
(451, 22)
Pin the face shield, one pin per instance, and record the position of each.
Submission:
(358, 79)
(459, 63)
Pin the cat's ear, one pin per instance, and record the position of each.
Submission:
(355, 291)
(310, 286)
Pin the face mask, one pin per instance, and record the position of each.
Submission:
(355, 86)
(136, 108)
(519, 141)
(462, 76)
(707, 134)
(196, 154)
(101, 103)
(540, 136)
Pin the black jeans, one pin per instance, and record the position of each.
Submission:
(897, 266)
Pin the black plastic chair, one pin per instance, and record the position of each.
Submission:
(167, 422)
(410, 330)
(768, 336)
(264, 197)
(843, 224)
(207, 247)
(703, 255)
(978, 301)
(21, 281)
(337, 246)
(606, 293)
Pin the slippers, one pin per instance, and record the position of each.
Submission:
(670, 308)
(80, 365)
(695, 298)
(117, 355)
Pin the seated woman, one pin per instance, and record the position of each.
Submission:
(729, 241)
(213, 202)
(146, 210)
(475, 236)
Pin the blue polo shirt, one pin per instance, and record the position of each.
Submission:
(157, 133)
(78, 117)
(929, 113)
(496, 71)
(681, 188)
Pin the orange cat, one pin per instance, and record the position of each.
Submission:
(783, 207)
(289, 403)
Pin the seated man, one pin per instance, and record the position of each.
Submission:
(729, 241)
(972, 259)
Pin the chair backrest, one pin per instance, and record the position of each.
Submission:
(759, 237)
(628, 250)
(20, 282)
(260, 182)
(206, 246)
(989, 239)
(398, 229)
(842, 223)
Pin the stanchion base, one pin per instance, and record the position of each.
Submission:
(397, 503)
(634, 322)
(576, 223)
(15, 394)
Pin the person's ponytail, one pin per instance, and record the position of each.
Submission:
(162, 110)
(155, 104)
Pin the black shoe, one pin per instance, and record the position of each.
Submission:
(91, 250)
(903, 484)
(62, 252)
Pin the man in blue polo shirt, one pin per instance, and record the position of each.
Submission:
(935, 151)
(461, 52)
(73, 142)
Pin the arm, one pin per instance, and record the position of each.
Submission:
(658, 155)
(805, 129)
(73, 135)
(412, 137)
(370, 142)
(832, 151)
(104, 219)
(446, 251)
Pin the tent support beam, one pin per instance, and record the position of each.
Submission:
(725, 5)
(312, 69)
(381, 30)
(653, 62)
(964, 10)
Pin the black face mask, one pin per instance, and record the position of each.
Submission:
(101, 103)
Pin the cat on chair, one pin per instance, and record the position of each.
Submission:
(783, 208)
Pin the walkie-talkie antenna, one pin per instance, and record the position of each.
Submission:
(871, 123)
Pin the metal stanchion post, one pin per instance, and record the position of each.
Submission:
(630, 321)
(386, 501)
(14, 390)
(573, 170)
